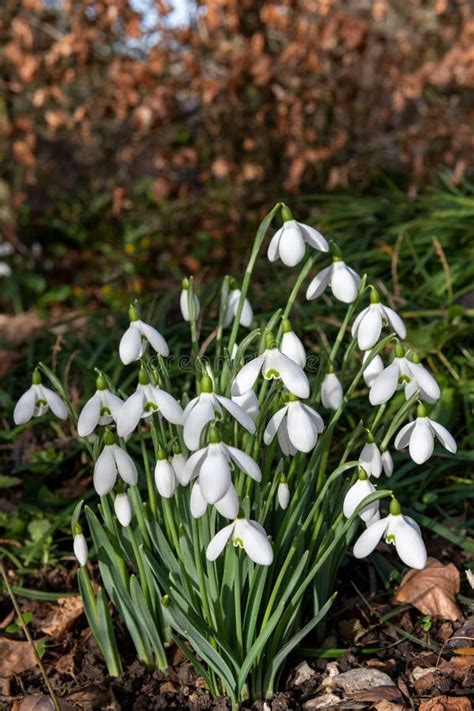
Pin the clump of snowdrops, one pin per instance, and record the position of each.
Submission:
(223, 515)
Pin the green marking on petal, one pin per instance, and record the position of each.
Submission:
(105, 411)
(150, 407)
(238, 542)
(272, 373)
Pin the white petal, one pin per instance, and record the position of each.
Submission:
(125, 465)
(130, 413)
(201, 414)
(105, 471)
(445, 437)
(274, 424)
(178, 462)
(356, 324)
(319, 283)
(387, 463)
(402, 439)
(198, 503)
(343, 285)
(130, 344)
(237, 412)
(247, 375)
(331, 392)
(89, 417)
(122, 509)
(283, 495)
(409, 544)
(193, 464)
(183, 304)
(245, 462)
(315, 416)
(355, 495)
(113, 402)
(395, 322)
(425, 381)
(421, 441)
(292, 347)
(246, 317)
(256, 544)
(228, 506)
(25, 407)
(217, 544)
(292, 376)
(291, 246)
(155, 339)
(374, 368)
(369, 539)
(371, 459)
(55, 403)
(314, 238)
(165, 479)
(284, 441)
(272, 252)
(248, 402)
(214, 475)
(368, 332)
(385, 384)
(168, 406)
(80, 548)
(301, 429)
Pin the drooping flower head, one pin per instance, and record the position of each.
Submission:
(420, 434)
(368, 325)
(184, 302)
(113, 461)
(370, 457)
(406, 373)
(290, 344)
(246, 315)
(288, 243)
(36, 401)
(341, 279)
(246, 534)
(137, 337)
(228, 506)
(296, 425)
(356, 494)
(332, 394)
(102, 409)
(80, 547)
(165, 477)
(123, 509)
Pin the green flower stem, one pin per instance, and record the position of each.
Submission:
(347, 319)
(149, 478)
(237, 604)
(294, 292)
(259, 237)
(192, 318)
(222, 309)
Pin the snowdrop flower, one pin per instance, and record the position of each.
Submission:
(246, 534)
(165, 478)
(80, 547)
(409, 373)
(36, 402)
(246, 316)
(228, 506)
(184, 302)
(135, 339)
(288, 243)
(420, 434)
(283, 493)
(212, 465)
(178, 463)
(205, 408)
(297, 427)
(374, 368)
(291, 345)
(370, 457)
(368, 325)
(341, 279)
(101, 409)
(249, 403)
(272, 364)
(122, 509)
(398, 529)
(356, 494)
(387, 463)
(113, 461)
(145, 402)
(331, 392)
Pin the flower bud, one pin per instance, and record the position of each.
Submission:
(283, 494)
(122, 509)
(80, 548)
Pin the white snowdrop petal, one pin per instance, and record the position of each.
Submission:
(403, 437)
(105, 471)
(374, 368)
(130, 344)
(387, 463)
(57, 405)
(319, 283)
(193, 464)
(292, 347)
(445, 437)
(245, 462)
(343, 285)
(246, 317)
(198, 503)
(89, 417)
(178, 462)
(395, 322)
(291, 246)
(292, 376)
(130, 413)
(421, 441)
(409, 544)
(25, 407)
(217, 543)
(201, 414)
(369, 539)
(284, 441)
(355, 495)
(165, 479)
(256, 544)
(125, 465)
(301, 429)
(155, 339)
(385, 384)
(183, 304)
(283, 495)
(331, 392)
(248, 402)
(237, 412)
(313, 237)
(113, 402)
(371, 459)
(80, 548)
(168, 406)
(247, 375)
(214, 475)
(274, 424)
(228, 506)
(272, 252)
(425, 381)
(315, 417)
(357, 322)
(123, 510)
(369, 330)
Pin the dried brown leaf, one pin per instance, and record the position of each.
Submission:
(15, 657)
(62, 617)
(432, 590)
(446, 703)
